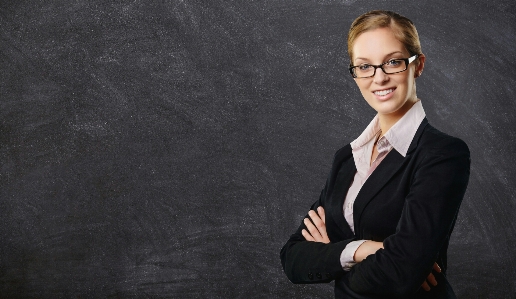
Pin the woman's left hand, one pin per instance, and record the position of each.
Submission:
(316, 228)
(430, 280)
(317, 233)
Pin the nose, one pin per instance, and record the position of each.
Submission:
(379, 76)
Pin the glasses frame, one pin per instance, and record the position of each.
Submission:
(380, 66)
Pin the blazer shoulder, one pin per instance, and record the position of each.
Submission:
(440, 142)
(342, 154)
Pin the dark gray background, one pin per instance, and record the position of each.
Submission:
(165, 149)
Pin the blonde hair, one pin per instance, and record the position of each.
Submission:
(403, 29)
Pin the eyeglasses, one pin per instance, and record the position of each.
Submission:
(392, 66)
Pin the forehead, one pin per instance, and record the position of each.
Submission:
(376, 44)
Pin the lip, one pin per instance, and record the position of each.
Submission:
(385, 97)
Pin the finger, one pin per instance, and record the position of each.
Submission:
(437, 268)
(320, 210)
(425, 286)
(312, 230)
(307, 236)
(431, 279)
(319, 224)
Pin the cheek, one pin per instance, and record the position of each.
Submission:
(407, 83)
(363, 87)
(366, 94)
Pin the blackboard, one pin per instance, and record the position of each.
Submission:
(167, 149)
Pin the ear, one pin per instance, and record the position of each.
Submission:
(420, 65)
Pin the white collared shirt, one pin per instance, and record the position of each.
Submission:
(399, 137)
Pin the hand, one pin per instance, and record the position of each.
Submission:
(365, 249)
(317, 232)
(431, 278)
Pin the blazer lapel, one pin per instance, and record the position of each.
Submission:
(381, 176)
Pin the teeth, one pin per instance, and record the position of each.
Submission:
(383, 92)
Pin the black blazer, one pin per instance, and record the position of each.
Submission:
(410, 203)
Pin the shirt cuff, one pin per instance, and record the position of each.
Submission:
(346, 257)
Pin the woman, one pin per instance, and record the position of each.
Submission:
(382, 224)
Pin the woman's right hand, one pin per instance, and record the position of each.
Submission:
(367, 248)
(317, 233)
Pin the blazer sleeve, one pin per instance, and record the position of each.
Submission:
(311, 262)
(314, 262)
(427, 218)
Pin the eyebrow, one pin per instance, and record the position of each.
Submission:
(392, 53)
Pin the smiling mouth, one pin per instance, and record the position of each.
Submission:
(383, 92)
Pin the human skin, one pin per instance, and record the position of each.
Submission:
(375, 47)
(317, 233)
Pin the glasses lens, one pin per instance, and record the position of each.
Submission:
(364, 70)
(395, 66)
(390, 67)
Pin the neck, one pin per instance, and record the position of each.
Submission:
(388, 120)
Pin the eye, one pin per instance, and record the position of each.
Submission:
(364, 67)
(394, 62)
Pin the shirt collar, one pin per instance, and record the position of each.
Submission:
(400, 135)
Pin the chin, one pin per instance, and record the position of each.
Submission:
(387, 107)
(390, 106)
